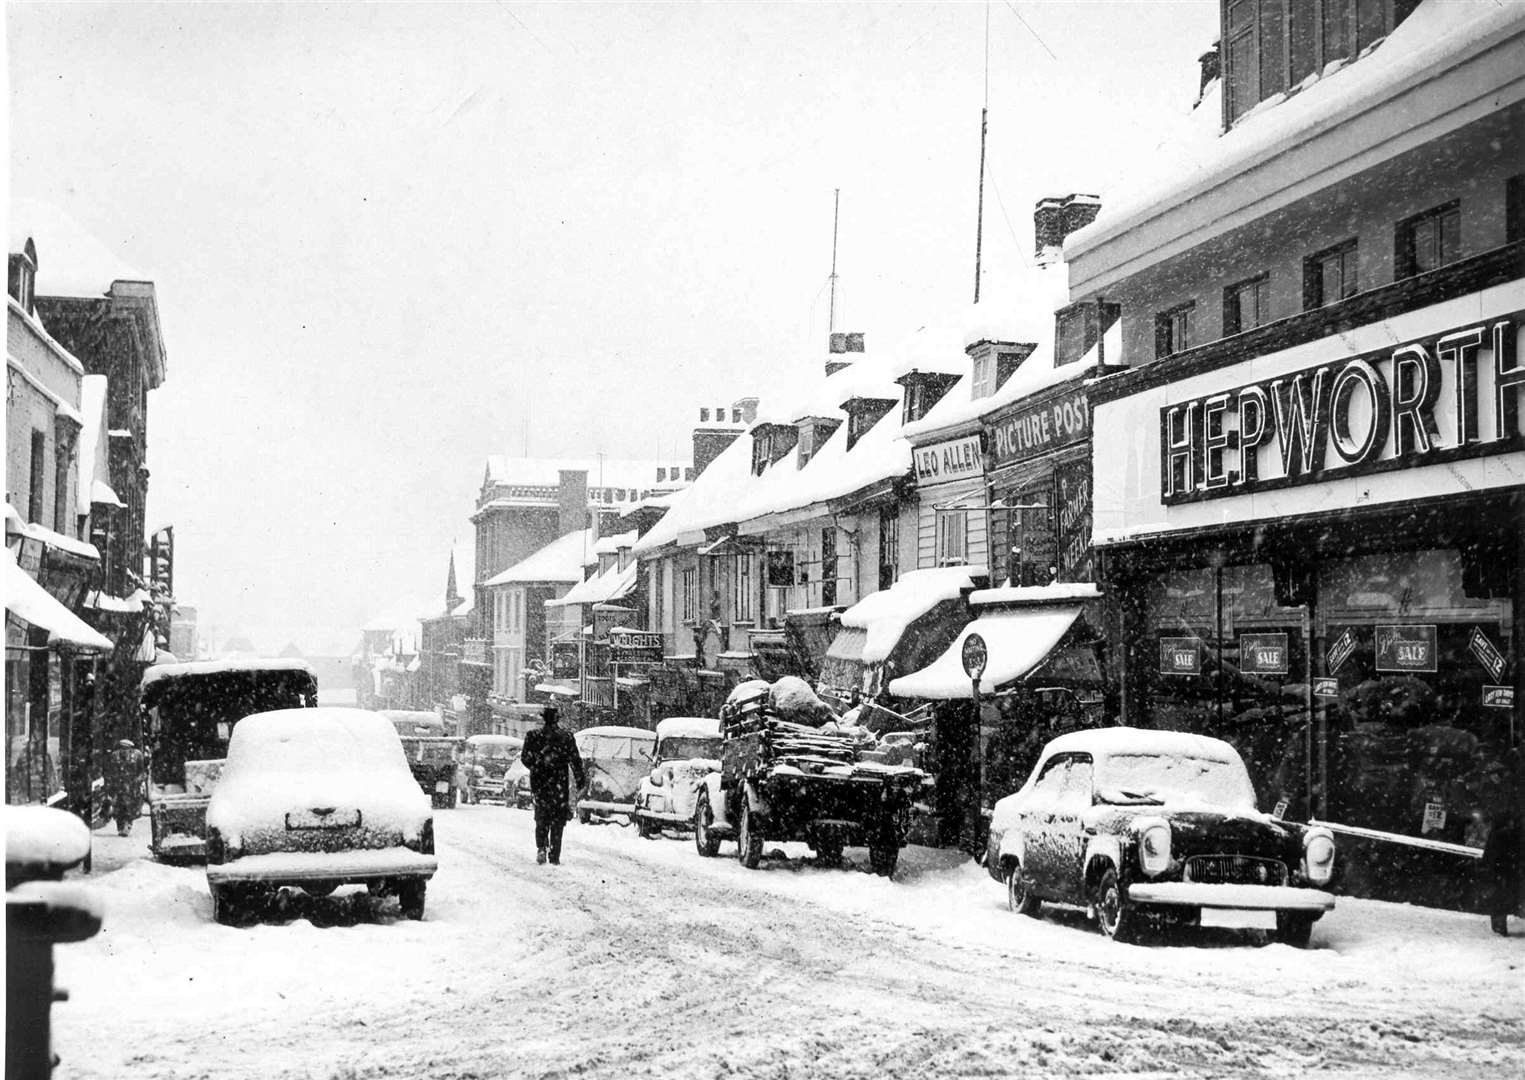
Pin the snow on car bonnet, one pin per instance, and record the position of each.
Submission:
(292, 757)
(688, 727)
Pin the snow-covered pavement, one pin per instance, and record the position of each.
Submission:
(638, 958)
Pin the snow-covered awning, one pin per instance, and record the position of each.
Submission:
(554, 688)
(612, 584)
(119, 605)
(31, 603)
(1016, 641)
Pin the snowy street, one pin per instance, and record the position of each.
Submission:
(639, 958)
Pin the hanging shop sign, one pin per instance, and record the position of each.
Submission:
(1369, 413)
(1487, 653)
(1406, 648)
(1340, 651)
(1263, 654)
(635, 646)
(1072, 496)
(1180, 656)
(1039, 429)
(1498, 697)
(975, 656)
(956, 459)
(564, 661)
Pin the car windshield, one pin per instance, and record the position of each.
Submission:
(1162, 778)
(682, 748)
(498, 751)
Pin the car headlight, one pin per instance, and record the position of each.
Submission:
(1154, 847)
(1318, 856)
(423, 843)
(656, 778)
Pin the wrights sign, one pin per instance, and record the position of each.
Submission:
(1448, 396)
(951, 460)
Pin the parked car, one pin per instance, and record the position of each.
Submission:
(316, 799)
(516, 787)
(1132, 824)
(688, 749)
(616, 759)
(433, 753)
(485, 762)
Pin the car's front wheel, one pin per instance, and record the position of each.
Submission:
(1019, 895)
(410, 897)
(705, 840)
(1294, 929)
(1115, 916)
(230, 903)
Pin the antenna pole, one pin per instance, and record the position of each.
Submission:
(831, 317)
(979, 220)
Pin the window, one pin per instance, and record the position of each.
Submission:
(1254, 55)
(39, 463)
(952, 537)
(1514, 209)
(1428, 240)
(1246, 305)
(984, 383)
(690, 594)
(658, 596)
(61, 517)
(1330, 276)
(889, 545)
(829, 565)
(1173, 331)
(743, 589)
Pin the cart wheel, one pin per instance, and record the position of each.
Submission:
(704, 839)
(410, 896)
(749, 840)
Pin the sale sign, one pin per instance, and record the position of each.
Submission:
(1180, 656)
(1263, 654)
(1405, 648)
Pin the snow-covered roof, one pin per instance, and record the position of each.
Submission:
(160, 672)
(70, 260)
(610, 545)
(885, 614)
(560, 560)
(1057, 593)
(613, 584)
(1197, 155)
(15, 523)
(689, 727)
(124, 605)
(32, 603)
(1016, 641)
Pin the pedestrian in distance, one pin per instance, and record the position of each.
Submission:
(548, 753)
(125, 767)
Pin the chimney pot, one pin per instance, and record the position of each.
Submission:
(838, 343)
(704, 416)
(854, 343)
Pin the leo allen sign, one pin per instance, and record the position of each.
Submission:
(1368, 413)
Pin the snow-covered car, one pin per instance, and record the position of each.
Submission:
(485, 762)
(616, 758)
(516, 787)
(688, 749)
(316, 799)
(1130, 824)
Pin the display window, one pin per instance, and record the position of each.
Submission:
(1226, 659)
(1414, 676)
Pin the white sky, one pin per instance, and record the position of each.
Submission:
(387, 238)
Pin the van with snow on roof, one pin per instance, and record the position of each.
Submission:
(1142, 828)
(688, 749)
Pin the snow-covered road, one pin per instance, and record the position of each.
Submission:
(638, 958)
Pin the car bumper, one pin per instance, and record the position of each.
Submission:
(665, 815)
(341, 867)
(600, 807)
(1231, 897)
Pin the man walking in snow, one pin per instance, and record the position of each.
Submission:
(548, 753)
(125, 767)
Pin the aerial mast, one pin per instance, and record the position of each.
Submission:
(831, 317)
(979, 220)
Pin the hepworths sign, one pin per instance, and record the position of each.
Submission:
(956, 459)
(1442, 398)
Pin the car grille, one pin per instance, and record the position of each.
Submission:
(1235, 870)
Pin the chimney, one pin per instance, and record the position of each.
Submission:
(745, 408)
(711, 438)
(1211, 69)
(1055, 218)
(572, 501)
(843, 349)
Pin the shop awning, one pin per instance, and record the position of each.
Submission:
(30, 602)
(1016, 640)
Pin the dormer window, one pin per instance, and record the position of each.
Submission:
(770, 442)
(22, 279)
(1080, 327)
(993, 362)
(862, 415)
(814, 431)
(923, 389)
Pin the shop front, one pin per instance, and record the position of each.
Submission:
(1318, 553)
(952, 523)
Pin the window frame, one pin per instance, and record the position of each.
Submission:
(1348, 251)
(952, 542)
(1165, 333)
(1405, 240)
(1233, 307)
(743, 589)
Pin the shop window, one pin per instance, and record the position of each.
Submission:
(889, 545)
(1246, 305)
(1413, 665)
(1330, 275)
(1429, 240)
(781, 573)
(1173, 330)
(952, 537)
